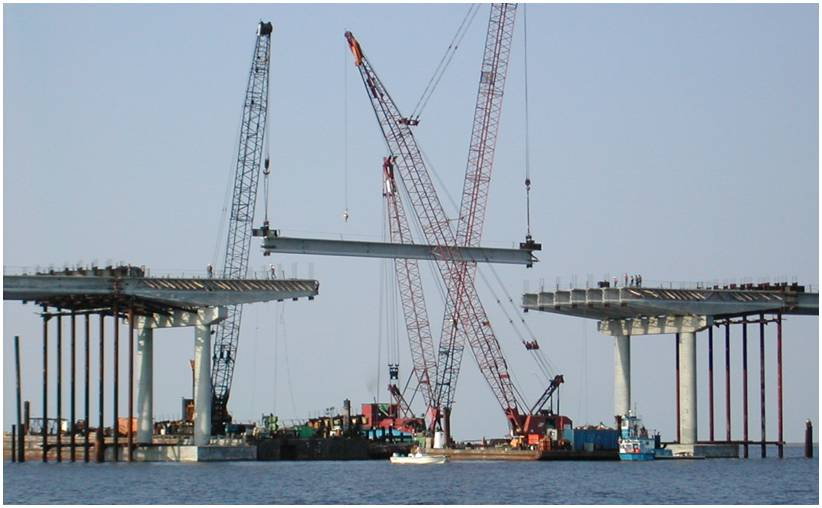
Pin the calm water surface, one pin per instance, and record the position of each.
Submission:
(794, 480)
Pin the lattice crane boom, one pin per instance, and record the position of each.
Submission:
(241, 218)
(487, 112)
(410, 289)
(475, 326)
(486, 124)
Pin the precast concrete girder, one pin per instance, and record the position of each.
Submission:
(152, 293)
(609, 303)
(176, 319)
(654, 325)
(350, 248)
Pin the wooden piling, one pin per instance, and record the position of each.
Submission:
(808, 439)
(86, 390)
(20, 437)
(779, 385)
(72, 397)
(762, 381)
(115, 427)
(45, 430)
(99, 444)
(59, 387)
(130, 383)
(745, 386)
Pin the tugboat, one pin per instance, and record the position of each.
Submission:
(634, 442)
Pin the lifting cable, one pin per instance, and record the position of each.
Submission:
(381, 308)
(219, 243)
(414, 223)
(346, 213)
(280, 320)
(527, 128)
(413, 395)
(444, 62)
(391, 296)
(254, 366)
(393, 313)
(524, 323)
(267, 161)
(537, 354)
(539, 357)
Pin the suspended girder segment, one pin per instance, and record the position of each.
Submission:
(286, 245)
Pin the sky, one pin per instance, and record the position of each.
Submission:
(679, 142)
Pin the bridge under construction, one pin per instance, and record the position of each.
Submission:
(146, 304)
(623, 312)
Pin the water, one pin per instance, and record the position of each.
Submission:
(794, 480)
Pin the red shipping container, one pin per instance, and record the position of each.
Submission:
(122, 426)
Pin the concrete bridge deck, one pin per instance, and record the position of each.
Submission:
(635, 302)
(82, 291)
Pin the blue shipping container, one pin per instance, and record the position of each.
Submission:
(602, 439)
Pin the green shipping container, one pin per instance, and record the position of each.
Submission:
(304, 432)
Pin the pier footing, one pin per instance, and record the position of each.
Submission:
(707, 450)
(189, 453)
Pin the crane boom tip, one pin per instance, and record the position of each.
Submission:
(355, 48)
(265, 28)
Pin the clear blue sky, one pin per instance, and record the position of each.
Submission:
(675, 141)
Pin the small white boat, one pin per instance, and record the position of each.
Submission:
(418, 458)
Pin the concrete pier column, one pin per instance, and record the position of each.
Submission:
(145, 384)
(687, 387)
(622, 374)
(202, 384)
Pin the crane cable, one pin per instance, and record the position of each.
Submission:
(527, 129)
(537, 352)
(279, 326)
(542, 362)
(380, 309)
(216, 260)
(539, 357)
(444, 62)
(530, 332)
(266, 163)
(346, 213)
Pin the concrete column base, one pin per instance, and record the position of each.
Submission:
(202, 384)
(145, 385)
(622, 375)
(687, 388)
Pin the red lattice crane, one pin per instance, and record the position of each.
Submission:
(478, 169)
(411, 293)
(471, 324)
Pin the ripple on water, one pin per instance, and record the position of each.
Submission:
(791, 481)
